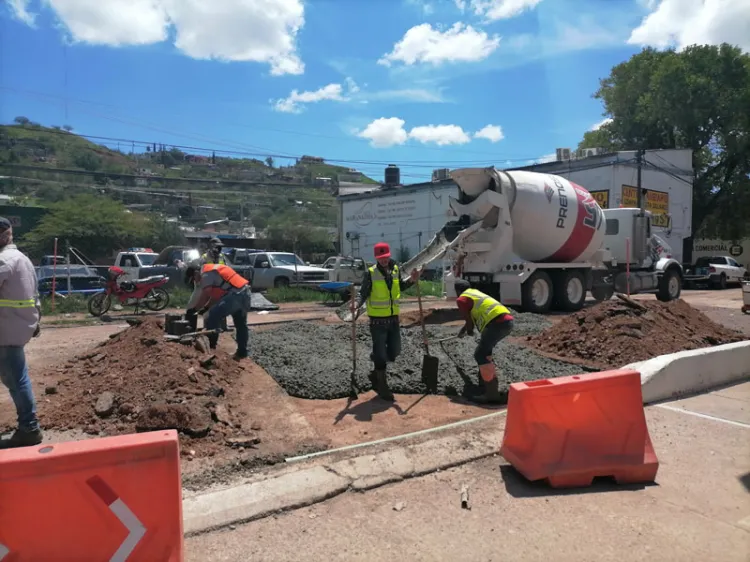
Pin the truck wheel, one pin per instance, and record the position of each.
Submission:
(281, 282)
(602, 293)
(570, 291)
(670, 286)
(721, 284)
(537, 293)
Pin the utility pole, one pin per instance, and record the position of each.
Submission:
(641, 192)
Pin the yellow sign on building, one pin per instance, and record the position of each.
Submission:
(657, 203)
(602, 198)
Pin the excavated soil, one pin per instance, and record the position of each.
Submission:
(315, 362)
(615, 333)
(137, 381)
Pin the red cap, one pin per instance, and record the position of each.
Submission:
(382, 250)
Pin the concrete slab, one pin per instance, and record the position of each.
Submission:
(698, 510)
(731, 403)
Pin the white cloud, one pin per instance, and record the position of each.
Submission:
(546, 158)
(492, 133)
(441, 135)
(385, 132)
(499, 9)
(419, 95)
(680, 23)
(20, 9)
(600, 124)
(389, 131)
(293, 103)
(263, 31)
(425, 44)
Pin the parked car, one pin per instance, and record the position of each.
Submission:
(716, 271)
(282, 269)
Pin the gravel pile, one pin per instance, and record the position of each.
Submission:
(313, 361)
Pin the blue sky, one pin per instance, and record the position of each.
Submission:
(422, 83)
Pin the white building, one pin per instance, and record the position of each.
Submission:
(409, 216)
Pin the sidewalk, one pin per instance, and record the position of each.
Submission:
(698, 510)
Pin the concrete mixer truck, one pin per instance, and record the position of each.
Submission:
(541, 242)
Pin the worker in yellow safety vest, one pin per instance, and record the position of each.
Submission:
(20, 313)
(494, 322)
(381, 290)
(214, 254)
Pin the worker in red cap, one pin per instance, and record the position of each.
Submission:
(381, 290)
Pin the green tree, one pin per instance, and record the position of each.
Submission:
(21, 120)
(696, 99)
(269, 162)
(99, 226)
(87, 161)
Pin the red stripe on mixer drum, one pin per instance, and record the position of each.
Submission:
(583, 229)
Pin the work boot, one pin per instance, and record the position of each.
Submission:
(22, 438)
(490, 394)
(380, 384)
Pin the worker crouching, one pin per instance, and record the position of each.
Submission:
(223, 292)
(381, 291)
(494, 323)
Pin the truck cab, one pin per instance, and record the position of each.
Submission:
(634, 259)
(132, 260)
(345, 269)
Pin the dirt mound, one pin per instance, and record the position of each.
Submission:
(137, 381)
(614, 333)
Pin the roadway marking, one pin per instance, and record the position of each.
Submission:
(123, 513)
(704, 416)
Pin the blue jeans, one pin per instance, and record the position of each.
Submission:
(386, 343)
(237, 306)
(14, 374)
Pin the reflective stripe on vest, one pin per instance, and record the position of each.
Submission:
(209, 260)
(382, 302)
(485, 308)
(24, 303)
(229, 275)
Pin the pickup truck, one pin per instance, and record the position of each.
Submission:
(715, 271)
(282, 269)
(346, 269)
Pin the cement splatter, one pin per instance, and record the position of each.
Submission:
(315, 362)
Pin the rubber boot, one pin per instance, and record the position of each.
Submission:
(490, 393)
(380, 384)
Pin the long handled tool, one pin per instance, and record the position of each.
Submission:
(353, 377)
(430, 363)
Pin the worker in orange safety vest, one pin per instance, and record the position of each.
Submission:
(223, 292)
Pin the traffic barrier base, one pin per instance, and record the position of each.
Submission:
(570, 430)
(116, 498)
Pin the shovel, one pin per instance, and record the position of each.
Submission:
(353, 377)
(430, 363)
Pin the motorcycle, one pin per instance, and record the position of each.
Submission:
(148, 292)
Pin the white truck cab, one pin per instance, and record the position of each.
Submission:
(133, 259)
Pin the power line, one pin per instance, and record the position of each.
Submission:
(269, 152)
(255, 128)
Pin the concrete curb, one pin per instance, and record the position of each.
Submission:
(240, 504)
(688, 372)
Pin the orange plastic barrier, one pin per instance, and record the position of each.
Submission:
(569, 430)
(116, 499)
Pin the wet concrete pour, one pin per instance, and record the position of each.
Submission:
(314, 362)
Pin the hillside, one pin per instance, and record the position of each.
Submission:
(48, 164)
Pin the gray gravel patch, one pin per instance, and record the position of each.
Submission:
(313, 361)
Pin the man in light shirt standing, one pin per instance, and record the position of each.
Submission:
(19, 322)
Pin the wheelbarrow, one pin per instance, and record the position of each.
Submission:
(335, 291)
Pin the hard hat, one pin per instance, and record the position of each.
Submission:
(382, 250)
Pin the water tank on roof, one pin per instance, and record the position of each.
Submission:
(392, 175)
